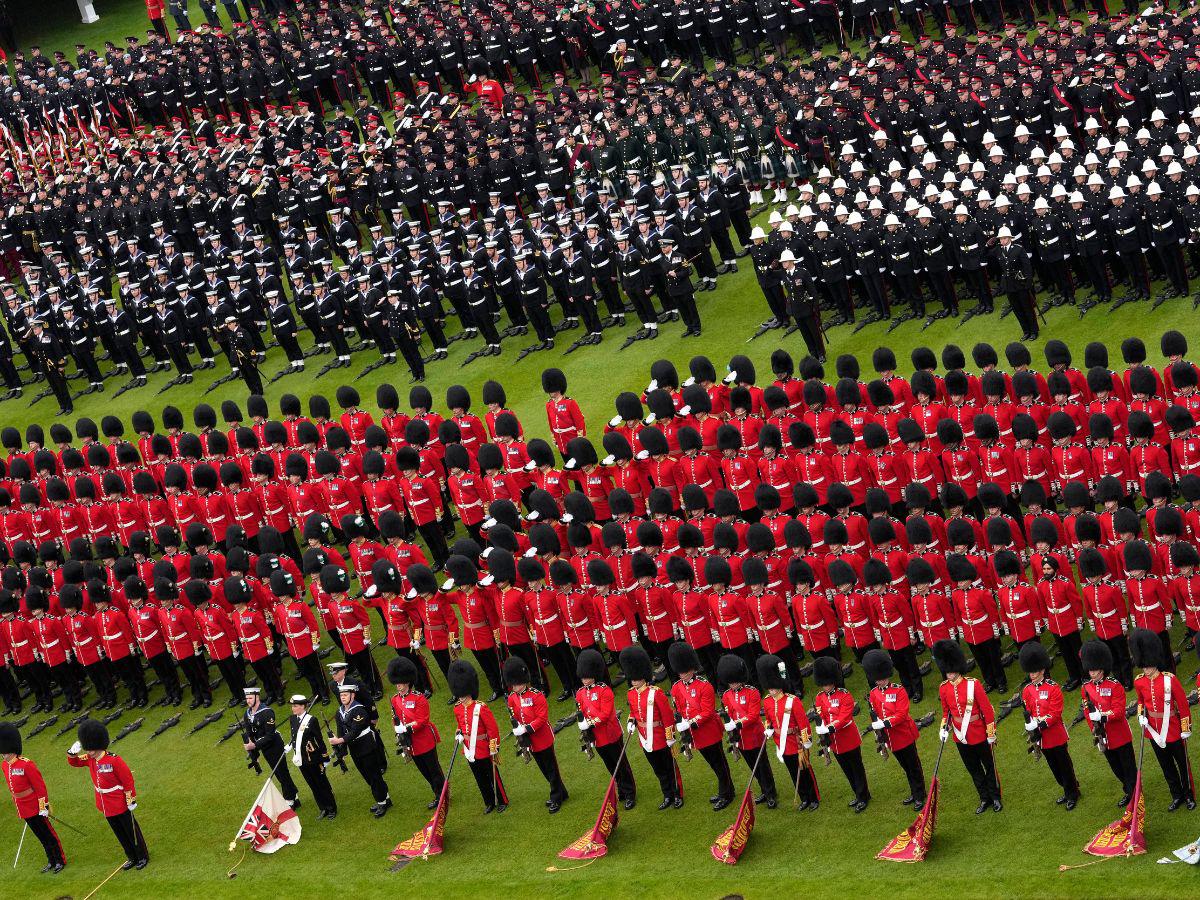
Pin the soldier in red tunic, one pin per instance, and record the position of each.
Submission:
(653, 723)
(116, 795)
(743, 723)
(889, 704)
(478, 734)
(1104, 702)
(837, 730)
(695, 703)
(1043, 702)
(598, 722)
(787, 726)
(1164, 716)
(416, 736)
(530, 714)
(28, 790)
(967, 713)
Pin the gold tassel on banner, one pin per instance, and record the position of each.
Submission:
(571, 868)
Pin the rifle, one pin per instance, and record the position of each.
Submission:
(1079, 717)
(684, 738)
(587, 737)
(74, 722)
(251, 755)
(206, 721)
(734, 734)
(339, 751)
(1099, 728)
(826, 743)
(524, 741)
(1033, 735)
(881, 734)
(166, 723)
(42, 726)
(229, 732)
(129, 729)
(404, 745)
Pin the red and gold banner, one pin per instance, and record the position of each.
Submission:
(1126, 836)
(732, 842)
(428, 841)
(594, 843)
(912, 844)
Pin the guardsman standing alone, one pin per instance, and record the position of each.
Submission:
(478, 734)
(116, 794)
(967, 712)
(28, 790)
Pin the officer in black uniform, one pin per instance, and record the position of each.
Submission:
(50, 359)
(310, 756)
(678, 273)
(244, 355)
(260, 737)
(1014, 276)
(357, 731)
(81, 338)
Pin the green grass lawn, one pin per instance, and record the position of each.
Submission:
(193, 794)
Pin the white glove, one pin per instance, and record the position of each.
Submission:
(650, 419)
(458, 736)
(608, 460)
(685, 410)
(689, 381)
(642, 454)
(822, 729)
(1031, 726)
(287, 748)
(1143, 721)
(992, 739)
(44, 812)
(615, 421)
(943, 735)
(519, 730)
(652, 386)
(583, 725)
(730, 378)
(530, 466)
(683, 725)
(415, 645)
(401, 728)
(75, 748)
(670, 744)
(731, 726)
(808, 745)
(132, 806)
(877, 724)
(769, 732)
(632, 727)
(1095, 715)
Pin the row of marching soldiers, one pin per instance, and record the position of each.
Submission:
(756, 716)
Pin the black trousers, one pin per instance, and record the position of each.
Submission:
(528, 653)
(804, 783)
(101, 676)
(64, 677)
(435, 540)
(180, 358)
(430, 767)
(164, 668)
(129, 834)
(318, 783)
(197, 675)
(310, 667)
(1024, 307)
(548, 763)
(1174, 762)
(686, 303)
(1068, 648)
(851, 764)
(491, 785)
(1122, 664)
(910, 672)
(364, 667)
(1124, 765)
(761, 771)
(563, 661)
(272, 752)
(714, 755)
(666, 771)
(489, 661)
(987, 653)
(623, 772)
(131, 673)
(981, 766)
(1063, 770)
(44, 831)
(367, 763)
(267, 671)
(910, 763)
